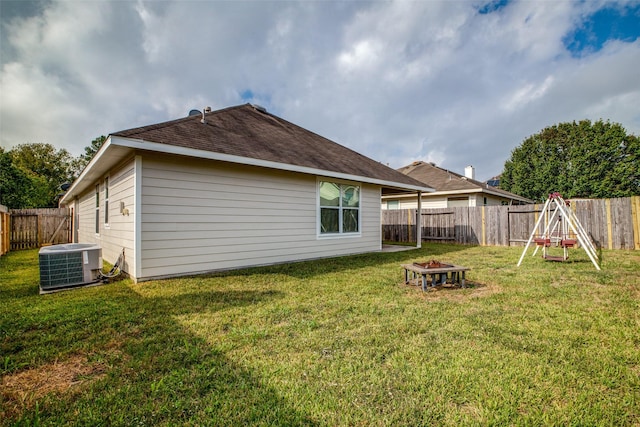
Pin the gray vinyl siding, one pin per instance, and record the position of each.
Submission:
(119, 233)
(200, 216)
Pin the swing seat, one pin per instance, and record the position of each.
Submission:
(568, 243)
(555, 258)
(540, 241)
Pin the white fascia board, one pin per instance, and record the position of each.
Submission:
(459, 192)
(139, 144)
(498, 194)
(456, 192)
(433, 194)
(404, 196)
(70, 192)
(505, 196)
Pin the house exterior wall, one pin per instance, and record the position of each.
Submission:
(199, 216)
(433, 202)
(484, 199)
(118, 233)
(495, 201)
(412, 203)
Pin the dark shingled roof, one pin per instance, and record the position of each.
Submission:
(249, 132)
(443, 180)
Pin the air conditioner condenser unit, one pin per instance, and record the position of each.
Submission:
(69, 265)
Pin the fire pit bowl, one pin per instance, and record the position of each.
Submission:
(432, 264)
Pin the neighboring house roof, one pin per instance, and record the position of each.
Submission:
(494, 181)
(247, 134)
(447, 182)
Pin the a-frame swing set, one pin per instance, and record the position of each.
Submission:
(562, 228)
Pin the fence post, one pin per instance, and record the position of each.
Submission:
(4, 230)
(609, 224)
(484, 228)
(635, 219)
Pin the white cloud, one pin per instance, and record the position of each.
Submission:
(396, 81)
(526, 94)
(362, 56)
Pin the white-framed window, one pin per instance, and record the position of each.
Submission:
(393, 204)
(339, 208)
(97, 208)
(106, 202)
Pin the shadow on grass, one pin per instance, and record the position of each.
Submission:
(209, 300)
(155, 370)
(309, 269)
(179, 378)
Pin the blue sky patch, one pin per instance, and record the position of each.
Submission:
(493, 6)
(264, 100)
(604, 25)
(247, 95)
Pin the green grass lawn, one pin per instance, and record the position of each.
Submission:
(329, 343)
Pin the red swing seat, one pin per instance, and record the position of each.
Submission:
(541, 241)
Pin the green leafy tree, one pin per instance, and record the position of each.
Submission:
(89, 152)
(591, 160)
(34, 174)
(15, 186)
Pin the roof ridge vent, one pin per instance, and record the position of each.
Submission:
(259, 108)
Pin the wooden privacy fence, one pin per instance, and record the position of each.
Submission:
(32, 228)
(611, 223)
(4, 230)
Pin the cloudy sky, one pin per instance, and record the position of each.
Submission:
(453, 82)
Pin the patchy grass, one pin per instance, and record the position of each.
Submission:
(331, 342)
(23, 389)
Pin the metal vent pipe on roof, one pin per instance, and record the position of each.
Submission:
(205, 110)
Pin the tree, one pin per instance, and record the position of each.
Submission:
(89, 152)
(590, 160)
(15, 186)
(32, 175)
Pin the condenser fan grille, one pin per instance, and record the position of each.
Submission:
(61, 269)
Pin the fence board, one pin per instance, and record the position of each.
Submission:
(395, 226)
(609, 222)
(5, 234)
(24, 231)
(498, 233)
(635, 219)
(474, 236)
(592, 214)
(462, 229)
(520, 222)
(32, 228)
(622, 229)
(438, 224)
